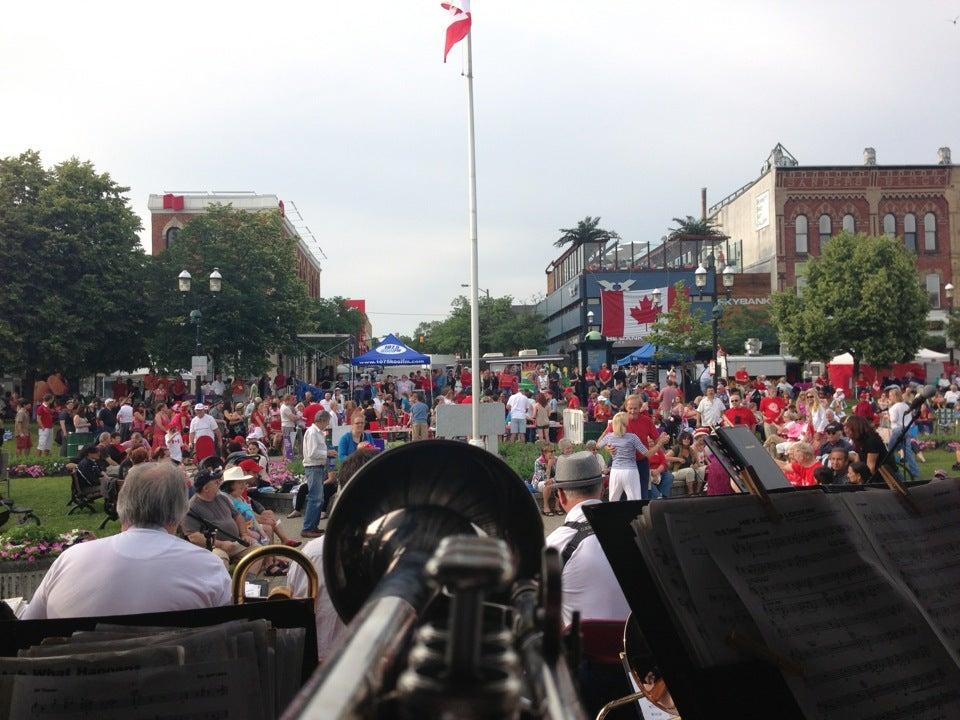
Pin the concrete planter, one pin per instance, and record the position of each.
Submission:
(18, 578)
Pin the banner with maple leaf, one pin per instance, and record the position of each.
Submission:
(629, 314)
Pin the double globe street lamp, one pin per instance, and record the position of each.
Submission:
(716, 312)
(184, 282)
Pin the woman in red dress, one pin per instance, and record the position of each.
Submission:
(161, 421)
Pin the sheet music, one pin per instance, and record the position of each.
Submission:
(662, 562)
(207, 691)
(820, 598)
(718, 607)
(921, 550)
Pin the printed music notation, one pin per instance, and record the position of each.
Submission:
(856, 590)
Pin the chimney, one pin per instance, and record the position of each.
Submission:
(703, 199)
(869, 156)
(943, 156)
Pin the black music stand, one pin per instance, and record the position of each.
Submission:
(747, 691)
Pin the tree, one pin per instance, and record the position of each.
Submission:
(504, 327)
(587, 230)
(72, 292)
(862, 297)
(679, 331)
(953, 327)
(741, 322)
(690, 226)
(261, 308)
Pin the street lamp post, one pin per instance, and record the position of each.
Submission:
(485, 292)
(184, 283)
(716, 312)
(948, 291)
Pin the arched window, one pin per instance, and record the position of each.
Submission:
(849, 224)
(171, 235)
(889, 225)
(910, 231)
(930, 232)
(801, 235)
(825, 229)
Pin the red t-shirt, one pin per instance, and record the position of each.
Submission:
(643, 427)
(465, 378)
(44, 416)
(605, 374)
(658, 460)
(589, 376)
(573, 402)
(509, 382)
(771, 407)
(800, 476)
(864, 409)
(741, 416)
(742, 377)
(310, 412)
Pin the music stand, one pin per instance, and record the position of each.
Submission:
(700, 693)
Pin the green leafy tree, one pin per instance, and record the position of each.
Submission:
(680, 331)
(690, 226)
(261, 308)
(587, 230)
(741, 322)
(862, 297)
(952, 328)
(504, 327)
(333, 315)
(73, 271)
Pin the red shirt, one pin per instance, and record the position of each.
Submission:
(605, 374)
(178, 387)
(772, 407)
(573, 402)
(44, 416)
(800, 476)
(509, 382)
(310, 412)
(658, 460)
(466, 378)
(643, 427)
(589, 376)
(741, 416)
(864, 409)
(742, 377)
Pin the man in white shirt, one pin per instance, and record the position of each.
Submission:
(315, 458)
(951, 396)
(589, 585)
(289, 417)
(125, 419)
(710, 410)
(217, 387)
(204, 434)
(519, 406)
(146, 568)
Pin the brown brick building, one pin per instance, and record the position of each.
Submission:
(783, 217)
(170, 211)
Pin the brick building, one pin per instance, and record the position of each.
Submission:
(170, 211)
(782, 218)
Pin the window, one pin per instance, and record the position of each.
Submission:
(849, 224)
(933, 290)
(172, 235)
(889, 225)
(910, 231)
(802, 234)
(801, 283)
(930, 232)
(825, 229)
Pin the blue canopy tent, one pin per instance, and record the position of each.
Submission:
(645, 354)
(391, 351)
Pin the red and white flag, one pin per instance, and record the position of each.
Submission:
(629, 314)
(459, 23)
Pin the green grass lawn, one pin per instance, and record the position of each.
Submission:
(48, 496)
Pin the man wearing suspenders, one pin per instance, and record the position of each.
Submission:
(589, 585)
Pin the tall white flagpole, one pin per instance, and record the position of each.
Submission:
(474, 288)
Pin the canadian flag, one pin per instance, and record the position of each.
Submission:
(629, 314)
(459, 23)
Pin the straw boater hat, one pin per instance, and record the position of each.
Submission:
(578, 470)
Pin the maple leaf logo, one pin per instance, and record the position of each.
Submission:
(646, 312)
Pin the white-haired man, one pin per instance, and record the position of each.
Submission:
(145, 568)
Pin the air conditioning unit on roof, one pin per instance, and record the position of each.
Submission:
(527, 353)
(486, 356)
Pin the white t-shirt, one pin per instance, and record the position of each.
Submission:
(519, 405)
(589, 584)
(711, 412)
(218, 387)
(329, 624)
(288, 416)
(125, 414)
(141, 570)
(899, 416)
(204, 426)
(174, 442)
(951, 397)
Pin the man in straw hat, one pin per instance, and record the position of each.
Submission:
(589, 585)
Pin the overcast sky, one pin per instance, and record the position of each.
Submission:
(610, 108)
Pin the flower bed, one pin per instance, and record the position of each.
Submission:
(38, 467)
(27, 552)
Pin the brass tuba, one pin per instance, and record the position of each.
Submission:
(433, 556)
